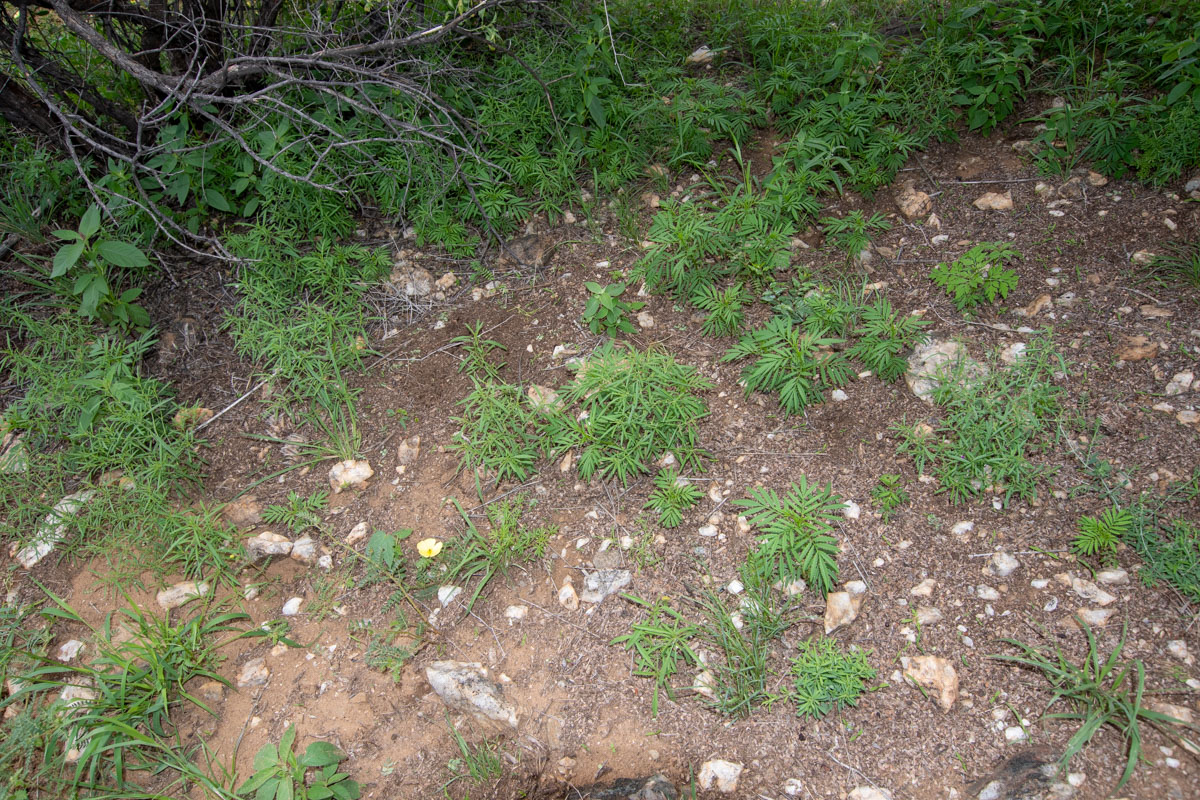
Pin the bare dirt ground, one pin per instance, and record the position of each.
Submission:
(583, 716)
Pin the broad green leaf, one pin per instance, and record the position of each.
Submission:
(217, 200)
(89, 223)
(122, 254)
(66, 257)
(321, 754)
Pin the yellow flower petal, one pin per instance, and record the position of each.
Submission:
(429, 548)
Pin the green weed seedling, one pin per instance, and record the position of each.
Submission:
(852, 233)
(475, 554)
(795, 533)
(476, 763)
(640, 404)
(827, 678)
(299, 512)
(978, 275)
(1101, 535)
(672, 496)
(724, 307)
(1100, 691)
(498, 434)
(660, 644)
(605, 312)
(798, 365)
(1179, 266)
(477, 350)
(884, 339)
(889, 494)
(83, 269)
(281, 774)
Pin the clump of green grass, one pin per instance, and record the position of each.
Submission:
(992, 427)
(505, 543)
(637, 405)
(120, 717)
(1180, 265)
(1100, 691)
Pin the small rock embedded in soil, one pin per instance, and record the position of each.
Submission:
(254, 673)
(994, 201)
(931, 361)
(567, 596)
(305, 550)
(933, 672)
(1180, 383)
(601, 583)
(851, 510)
(51, 530)
(357, 533)
(245, 511)
(515, 613)
(1137, 348)
(348, 474)
(913, 203)
(292, 607)
(924, 588)
(1178, 648)
(466, 687)
(267, 544)
(645, 319)
(868, 793)
(1112, 577)
(1002, 564)
(542, 398)
(721, 774)
(408, 451)
(69, 650)
(841, 608)
(181, 593)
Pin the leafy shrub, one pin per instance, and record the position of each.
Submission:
(672, 496)
(660, 645)
(639, 405)
(487, 554)
(795, 539)
(827, 678)
(978, 275)
(798, 365)
(83, 268)
(1171, 554)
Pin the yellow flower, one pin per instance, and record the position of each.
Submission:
(429, 548)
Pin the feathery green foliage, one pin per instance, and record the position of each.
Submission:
(724, 307)
(978, 275)
(672, 496)
(795, 539)
(799, 366)
(498, 433)
(884, 339)
(661, 645)
(827, 678)
(1100, 535)
(638, 404)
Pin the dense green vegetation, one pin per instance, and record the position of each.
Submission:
(523, 112)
